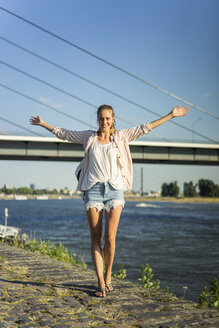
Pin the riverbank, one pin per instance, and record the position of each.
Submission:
(127, 198)
(37, 197)
(174, 199)
(37, 291)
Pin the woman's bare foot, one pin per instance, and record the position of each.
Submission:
(101, 292)
(109, 287)
(101, 289)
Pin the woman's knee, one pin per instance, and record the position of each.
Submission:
(110, 239)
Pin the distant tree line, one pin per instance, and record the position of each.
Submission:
(206, 188)
(29, 191)
(170, 189)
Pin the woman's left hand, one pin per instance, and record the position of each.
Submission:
(179, 111)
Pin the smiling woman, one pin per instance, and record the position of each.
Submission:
(106, 118)
(105, 174)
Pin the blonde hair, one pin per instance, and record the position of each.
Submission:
(107, 107)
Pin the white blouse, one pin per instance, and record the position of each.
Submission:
(103, 166)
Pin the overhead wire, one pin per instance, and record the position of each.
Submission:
(111, 64)
(88, 103)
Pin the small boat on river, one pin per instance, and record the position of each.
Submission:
(146, 205)
(8, 232)
(141, 205)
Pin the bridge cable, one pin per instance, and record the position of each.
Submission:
(46, 105)
(88, 103)
(88, 81)
(110, 64)
(68, 94)
(20, 126)
(63, 113)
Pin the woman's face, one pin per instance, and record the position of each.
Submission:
(105, 120)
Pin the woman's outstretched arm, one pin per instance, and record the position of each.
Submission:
(61, 133)
(176, 112)
(39, 121)
(136, 132)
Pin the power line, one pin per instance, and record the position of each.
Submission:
(86, 102)
(20, 126)
(110, 64)
(43, 104)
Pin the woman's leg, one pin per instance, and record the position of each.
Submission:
(95, 221)
(111, 225)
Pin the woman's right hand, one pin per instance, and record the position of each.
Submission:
(36, 120)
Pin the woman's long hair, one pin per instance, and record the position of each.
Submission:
(107, 107)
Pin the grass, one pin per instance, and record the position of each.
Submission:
(18, 270)
(59, 252)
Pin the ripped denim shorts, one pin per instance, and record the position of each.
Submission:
(103, 196)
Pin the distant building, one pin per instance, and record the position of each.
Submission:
(66, 191)
(32, 186)
(154, 193)
(185, 184)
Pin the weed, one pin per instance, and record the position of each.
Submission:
(5, 292)
(59, 252)
(17, 270)
(146, 278)
(167, 291)
(185, 288)
(121, 275)
(210, 298)
(41, 280)
(62, 292)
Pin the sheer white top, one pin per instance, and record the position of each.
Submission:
(103, 166)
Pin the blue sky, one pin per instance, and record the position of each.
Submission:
(171, 44)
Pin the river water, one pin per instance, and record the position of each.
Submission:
(179, 241)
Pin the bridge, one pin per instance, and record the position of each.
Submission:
(53, 149)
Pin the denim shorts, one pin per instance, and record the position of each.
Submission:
(103, 196)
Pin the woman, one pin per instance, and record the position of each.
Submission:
(106, 173)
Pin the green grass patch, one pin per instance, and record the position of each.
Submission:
(48, 248)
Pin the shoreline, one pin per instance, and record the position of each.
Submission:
(128, 198)
(173, 199)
